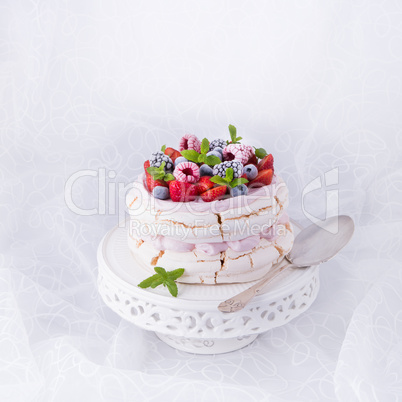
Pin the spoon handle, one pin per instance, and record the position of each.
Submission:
(239, 301)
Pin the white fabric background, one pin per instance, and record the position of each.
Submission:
(101, 84)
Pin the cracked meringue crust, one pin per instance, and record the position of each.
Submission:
(230, 220)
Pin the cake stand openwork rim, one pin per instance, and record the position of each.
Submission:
(201, 318)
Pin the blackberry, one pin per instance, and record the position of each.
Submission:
(237, 167)
(158, 157)
(217, 143)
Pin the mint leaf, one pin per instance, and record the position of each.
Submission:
(169, 177)
(229, 175)
(146, 283)
(204, 146)
(176, 273)
(238, 181)
(157, 282)
(212, 160)
(161, 271)
(164, 278)
(219, 180)
(202, 158)
(232, 131)
(172, 287)
(260, 153)
(163, 148)
(191, 155)
(238, 139)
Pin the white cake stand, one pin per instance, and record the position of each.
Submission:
(192, 321)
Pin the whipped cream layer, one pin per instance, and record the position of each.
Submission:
(167, 243)
(198, 222)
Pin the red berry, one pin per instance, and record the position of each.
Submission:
(214, 193)
(204, 184)
(263, 178)
(172, 153)
(267, 162)
(147, 164)
(253, 159)
(152, 183)
(182, 192)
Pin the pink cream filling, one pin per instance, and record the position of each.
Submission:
(167, 243)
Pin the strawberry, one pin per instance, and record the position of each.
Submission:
(267, 162)
(152, 183)
(253, 159)
(182, 192)
(244, 176)
(204, 184)
(147, 164)
(263, 178)
(172, 153)
(214, 194)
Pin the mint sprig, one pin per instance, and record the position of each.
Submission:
(228, 179)
(163, 148)
(233, 135)
(158, 173)
(260, 152)
(196, 157)
(165, 278)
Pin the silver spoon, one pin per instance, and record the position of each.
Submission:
(312, 246)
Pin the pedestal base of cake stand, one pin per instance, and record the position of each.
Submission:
(206, 346)
(192, 322)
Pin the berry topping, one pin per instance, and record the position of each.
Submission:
(220, 150)
(215, 153)
(239, 190)
(215, 193)
(172, 153)
(190, 141)
(266, 163)
(238, 152)
(147, 164)
(187, 172)
(161, 193)
(204, 184)
(264, 178)
(220, 169)
(218, 143)
(158, 157)
(152, 183)
(253, 159)
(182, 192)
(251, 171)
(206, 170)
(180, 159)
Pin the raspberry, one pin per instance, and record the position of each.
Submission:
(220, 169)
(217, 143)
(187, 172)
(238, 152)
(190, 141)
(158, 157)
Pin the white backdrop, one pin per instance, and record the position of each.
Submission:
(100, 85)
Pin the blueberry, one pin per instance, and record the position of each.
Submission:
(161, 193)
(180, 159)
(216, 153)
(205, 170)
(251, 171)
(219, 149)
(239, 190)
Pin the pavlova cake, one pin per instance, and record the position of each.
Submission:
(215, 208)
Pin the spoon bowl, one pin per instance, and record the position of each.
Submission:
(319, 243)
